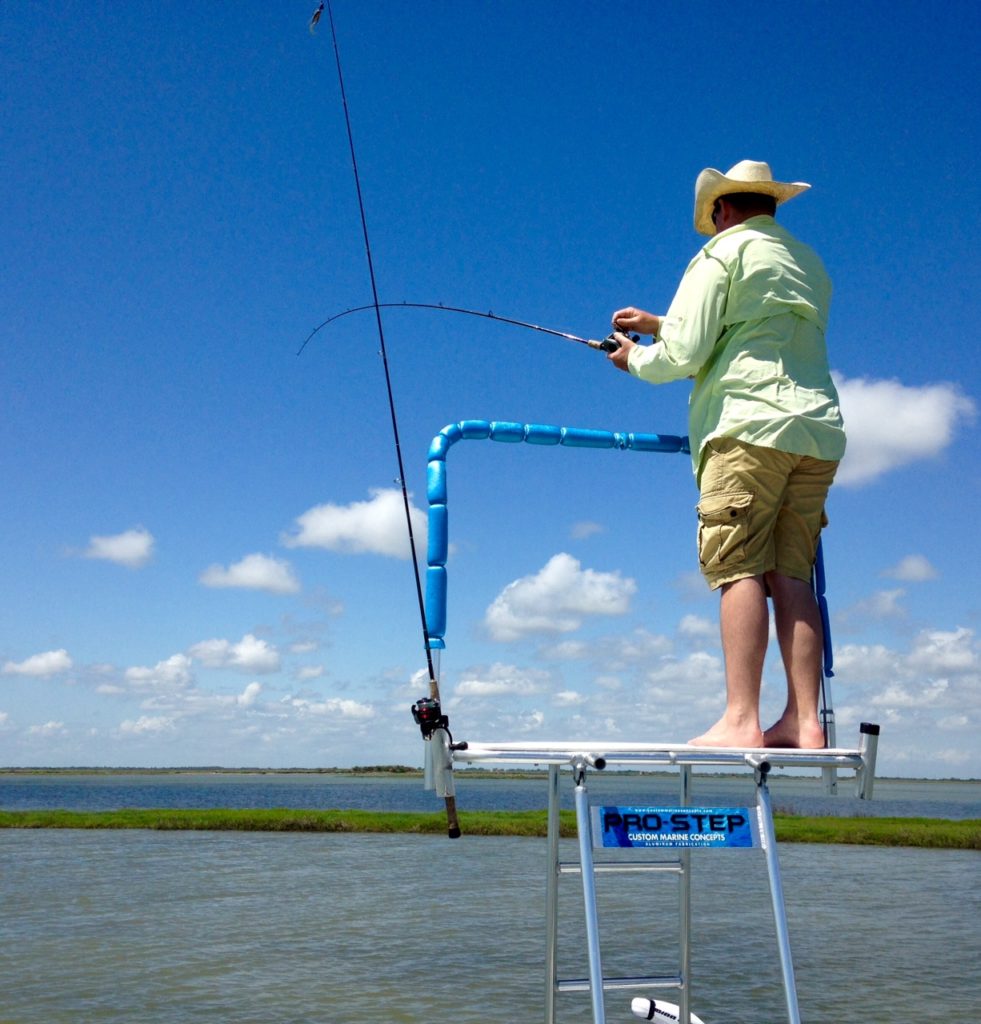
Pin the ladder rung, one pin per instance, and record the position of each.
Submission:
(612, 984)
(673, 866)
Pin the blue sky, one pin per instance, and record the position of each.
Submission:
(200, 561)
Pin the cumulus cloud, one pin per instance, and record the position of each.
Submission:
(640, 647)
(911, 569)
(248, 697)
(530, 722)
(250, 654)
(334, 707)
(938, 680)
(896, 695)
(48, 730)
(254, 572)
(695, 627)
(308, 672)
(881, 605)
(567, 650)
(695, 673)
(376, 526)
(938, 650)
(132, 548)
(557, 599)
(500, 680)
(147, 725)
(891, 424)
(40, 666)
(174, 673)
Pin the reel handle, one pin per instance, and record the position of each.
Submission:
(610, 344)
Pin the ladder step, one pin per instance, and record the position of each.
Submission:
(614, 984)
(636, 867)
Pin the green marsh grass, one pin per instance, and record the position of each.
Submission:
(929, 833)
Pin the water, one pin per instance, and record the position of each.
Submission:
(162, 928)
(141, 927)
(475, 791)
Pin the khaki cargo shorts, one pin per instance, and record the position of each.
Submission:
(761, 510)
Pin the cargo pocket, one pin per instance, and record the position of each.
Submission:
(723, 526)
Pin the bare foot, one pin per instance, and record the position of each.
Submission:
(722, 734)
(789, 733)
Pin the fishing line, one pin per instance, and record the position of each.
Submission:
(608, 344)
(452, 822)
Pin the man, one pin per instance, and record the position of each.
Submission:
(748, 323)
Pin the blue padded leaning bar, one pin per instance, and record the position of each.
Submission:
(509, 433)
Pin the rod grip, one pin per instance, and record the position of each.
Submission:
(452, 822)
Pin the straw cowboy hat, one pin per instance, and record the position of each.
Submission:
(746, 176)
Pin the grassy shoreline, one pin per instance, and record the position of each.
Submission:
(924, 833)
(470, 772)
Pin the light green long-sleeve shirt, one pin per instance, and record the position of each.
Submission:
(748, 323)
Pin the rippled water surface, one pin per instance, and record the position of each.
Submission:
(893, 797)
(163, 928)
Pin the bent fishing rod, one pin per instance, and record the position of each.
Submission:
(608, 344)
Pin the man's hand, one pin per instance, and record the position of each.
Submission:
(620, 357)
(632, 319)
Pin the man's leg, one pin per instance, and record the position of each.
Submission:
(745, 621)
(800, 635)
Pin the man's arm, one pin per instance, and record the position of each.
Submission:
(686, 335)
(630, 318)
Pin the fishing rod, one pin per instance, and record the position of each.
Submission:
(608, 344)
(431, 720)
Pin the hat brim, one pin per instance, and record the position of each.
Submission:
(712, 184)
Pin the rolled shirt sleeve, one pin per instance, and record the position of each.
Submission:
(691, 327)
(747, 324)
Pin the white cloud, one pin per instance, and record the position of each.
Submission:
(911, 569)
(938, 680)
(639, 647)
(250, 654)
(865, 661)
(898, 696)
(568, 698)
(172, 673)
(883, 604)
(48, 730)
(132, 548)
(695, 627)
(567, 650)
(585, 529)
(376, 526)
(309, 672)
(500, 680)
(40, 666)
(254, 572)
(697, 672)
(248, 697)
(333, 707)
(147, 725)
(557, 599)
(939, 650)
(890, 424)
(530, 722)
